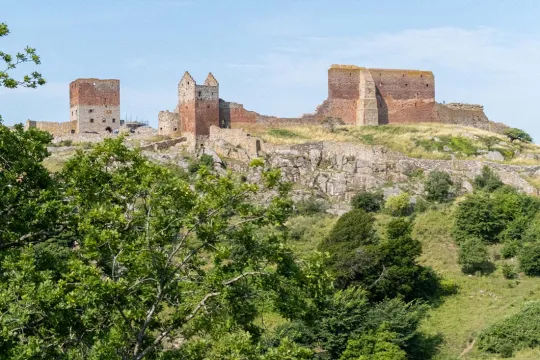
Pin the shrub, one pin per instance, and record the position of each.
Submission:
(367, 201)
(519, 331)
(398, 205)
(529, 259)
(374, 345)
(510, 249)
(438, 185)
(473, 256)
(476, 217)
(488, 180)
(311, 206)
(518, 134)
(509, 271)
(330, 123)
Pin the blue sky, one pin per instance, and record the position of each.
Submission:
(273, 56)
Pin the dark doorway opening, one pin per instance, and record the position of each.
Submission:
(108, 129)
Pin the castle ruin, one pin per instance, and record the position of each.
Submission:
(356, 96)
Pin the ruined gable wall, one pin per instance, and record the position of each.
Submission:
(54, 128)
(206, 108)
(168, 123)
(343, 93)
(404, 96)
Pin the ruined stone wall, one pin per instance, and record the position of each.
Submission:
(231, 113)
(467, 115)
(95, 104)
(168, 123)
(54, 128)
(404, 96)
(206, 108)
(367, 110)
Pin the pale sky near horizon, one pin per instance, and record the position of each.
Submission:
(273, 56)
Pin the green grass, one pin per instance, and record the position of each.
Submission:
(480, 301)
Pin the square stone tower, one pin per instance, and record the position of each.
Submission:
(95, 104)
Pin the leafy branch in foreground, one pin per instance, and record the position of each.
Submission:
(29, 54)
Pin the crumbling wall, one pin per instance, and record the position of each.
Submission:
(467, 115)
(237, 138)
(231, 113)
(54, 128)
(168, 123)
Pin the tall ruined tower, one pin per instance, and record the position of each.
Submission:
(198, 105)
(95, 104)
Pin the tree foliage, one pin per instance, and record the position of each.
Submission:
(518, 134)
(29, 54)
(488, 180)
(368, 201)
(473, 256)
(437, 185)
(398, 205)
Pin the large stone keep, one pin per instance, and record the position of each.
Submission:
(95, 104)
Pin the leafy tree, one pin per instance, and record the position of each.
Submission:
(368, 201)
(488, 180)
(473, 256)
(438, 185)
(529, 259)
(151, 259)
(351, 232)
(518, 134)
(32, 80)
(398, 205)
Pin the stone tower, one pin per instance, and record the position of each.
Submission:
(198, 105)
(95, 104)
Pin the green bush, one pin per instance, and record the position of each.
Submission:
(510, 249)
(529, 259)
(374, 345)
(476, 217)
(398, 205)
(517, 332)
(311, 206)
(367, 201)
(488, 180)
(473, 256)
(518, 134)
(437, 185)
(509, 271)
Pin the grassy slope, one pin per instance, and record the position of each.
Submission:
(415, 140)
(480, 301)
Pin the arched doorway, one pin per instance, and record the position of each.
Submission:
(108, 129)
